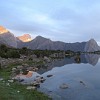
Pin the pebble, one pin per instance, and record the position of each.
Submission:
(31, 88)
(64, 86)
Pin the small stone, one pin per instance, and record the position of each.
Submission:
(35, 69)
(31, 88)
(64, 86)
(13, 69)
(1, 79)
(30, 68)
(18, 91)
(25, 65)
(19, 67)
(11, 81)
(7, 84)
(82, 83)
(49, 75)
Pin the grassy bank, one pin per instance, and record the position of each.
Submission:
(16, 91)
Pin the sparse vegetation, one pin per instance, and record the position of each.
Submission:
(16, 91)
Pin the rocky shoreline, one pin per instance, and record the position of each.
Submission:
(18, 70)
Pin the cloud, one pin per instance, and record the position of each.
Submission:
(65, 20)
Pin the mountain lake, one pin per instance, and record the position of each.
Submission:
(71, 79)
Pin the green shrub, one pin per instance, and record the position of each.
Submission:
(13, 54)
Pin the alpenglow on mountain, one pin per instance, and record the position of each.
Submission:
(25, 38)
(7, 37)
(43, 43)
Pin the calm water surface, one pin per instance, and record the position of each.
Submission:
(71, 73)
(82, 78)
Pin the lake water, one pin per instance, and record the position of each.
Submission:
(82, 76)
(67, 71)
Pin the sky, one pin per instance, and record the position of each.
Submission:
(59, 20)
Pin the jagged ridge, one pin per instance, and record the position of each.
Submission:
(43, 43)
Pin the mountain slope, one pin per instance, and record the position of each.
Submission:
(91, 46)
(7, 38)
(43, 43)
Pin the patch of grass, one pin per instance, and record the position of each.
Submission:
(6, 72)
(18, 92)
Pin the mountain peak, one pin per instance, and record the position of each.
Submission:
(7, 38)
(41, 37)
(91, 46)
(92, 40)
(3, 30)
(25, 38)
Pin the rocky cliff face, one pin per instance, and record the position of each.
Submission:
(7, 38)
(91, 46)
(25, 38)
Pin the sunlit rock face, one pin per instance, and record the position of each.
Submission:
(3, 30)
(25, 38)
(91, 46)
(7, 38)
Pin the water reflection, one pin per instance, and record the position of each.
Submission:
(92, 58)
(87, 58)
(77, 75)
(77, 59)
(70, 78)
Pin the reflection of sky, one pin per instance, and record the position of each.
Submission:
(65, 20)
(72, 75)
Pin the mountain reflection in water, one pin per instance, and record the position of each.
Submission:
(72, 78)
(82, 79)
(92, 58)
(87, 58)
